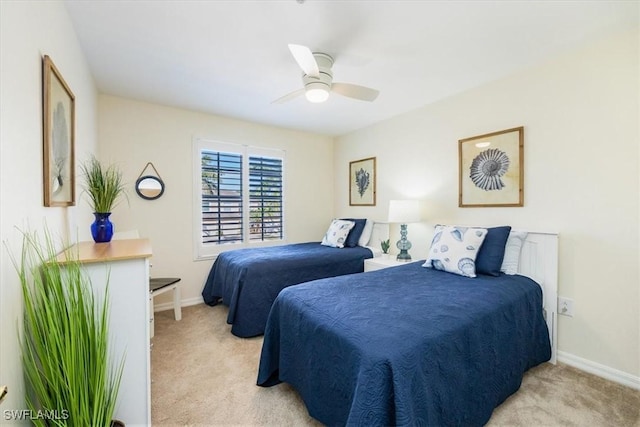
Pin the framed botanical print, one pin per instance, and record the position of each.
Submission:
(362, 182)
(492, 169)
(58, 138)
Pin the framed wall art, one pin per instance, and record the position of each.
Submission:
(492, 169)
(362, 182)
(58, 138)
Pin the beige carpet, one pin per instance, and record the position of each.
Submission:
(203, 375)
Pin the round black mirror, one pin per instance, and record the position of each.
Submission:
(149, 187)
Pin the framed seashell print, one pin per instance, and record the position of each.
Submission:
(492, 169)
(58, 138)
(362, 182)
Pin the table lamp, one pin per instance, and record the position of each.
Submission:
(403, 212)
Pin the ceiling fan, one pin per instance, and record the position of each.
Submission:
(317, 79)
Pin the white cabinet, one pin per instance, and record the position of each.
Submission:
(378, 263)
(124, 266)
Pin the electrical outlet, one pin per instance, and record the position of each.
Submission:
(565, 306)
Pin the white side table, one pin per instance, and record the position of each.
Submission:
(123, 266)
(378, 263)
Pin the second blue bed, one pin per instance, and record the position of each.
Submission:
(248, 280)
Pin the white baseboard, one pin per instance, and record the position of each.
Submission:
(184, 303)
(603, 371)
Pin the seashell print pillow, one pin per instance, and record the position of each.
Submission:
(336, 235)
(454, 249)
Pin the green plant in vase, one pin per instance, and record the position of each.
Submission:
(105, 186)
(64, 341)
(385, 244)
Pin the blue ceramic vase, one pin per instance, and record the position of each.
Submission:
(102, 228)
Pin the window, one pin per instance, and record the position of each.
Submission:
(265, 198)
(239, 196)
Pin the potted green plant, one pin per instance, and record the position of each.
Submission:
(69, 377)
(105, 186)
(384, 244)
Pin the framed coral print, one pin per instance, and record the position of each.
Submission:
(492, 169)
(58, 138)
(362, 182)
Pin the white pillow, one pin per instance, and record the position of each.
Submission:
(512, 249)
(337, 233)
(379, 232)
(366, 233)
(454, 249)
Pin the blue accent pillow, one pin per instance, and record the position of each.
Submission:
(491, 253)
(356, 232)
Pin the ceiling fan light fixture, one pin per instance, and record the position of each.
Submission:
(317, 92)
(317, 79)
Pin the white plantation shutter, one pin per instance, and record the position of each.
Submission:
(238, 196)
(265, 198)
(221, 197)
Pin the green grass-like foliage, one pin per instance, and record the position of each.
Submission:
(64, 340)
(103, 184)
(384, 244)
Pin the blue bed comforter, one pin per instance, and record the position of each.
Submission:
(405, 345)
(248, 280)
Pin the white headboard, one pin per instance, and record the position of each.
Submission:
(539, 261)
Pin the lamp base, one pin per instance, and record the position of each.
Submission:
(403, 256)
(404, 245)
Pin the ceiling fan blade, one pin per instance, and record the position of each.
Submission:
(304, 58)
(288, 97)
(355, 91)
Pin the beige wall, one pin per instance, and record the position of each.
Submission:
(28, 31)
(580, 114)
(133, 133)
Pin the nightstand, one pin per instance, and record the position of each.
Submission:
(378, 263)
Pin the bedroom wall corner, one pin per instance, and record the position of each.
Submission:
(132, 133)
(580, 114)
(29, 30)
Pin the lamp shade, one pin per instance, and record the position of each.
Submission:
(404, 211)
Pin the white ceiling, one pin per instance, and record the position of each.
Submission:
(230, 58)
